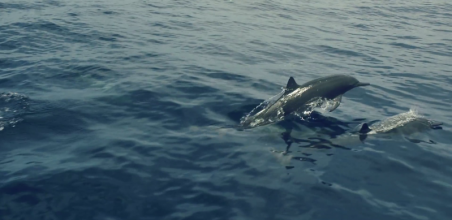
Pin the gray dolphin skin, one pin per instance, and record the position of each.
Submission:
(405, 123)
(296, 98)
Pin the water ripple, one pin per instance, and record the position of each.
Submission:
(126, 110)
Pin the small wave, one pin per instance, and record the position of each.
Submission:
(12, 105)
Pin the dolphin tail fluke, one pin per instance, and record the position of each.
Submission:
(362, 84)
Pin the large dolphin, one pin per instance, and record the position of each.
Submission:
(297, 98)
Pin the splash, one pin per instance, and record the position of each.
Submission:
(263, 105)
(253, 119)
(323, 104)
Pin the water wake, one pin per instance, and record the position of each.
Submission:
(302, 112)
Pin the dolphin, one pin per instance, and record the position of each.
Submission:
(406, 123)
(312, 144)
(298, 98)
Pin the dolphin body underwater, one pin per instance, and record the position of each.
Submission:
(407, 125)
(404, 124)
(297, 98)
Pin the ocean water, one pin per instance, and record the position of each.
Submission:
(125, 110)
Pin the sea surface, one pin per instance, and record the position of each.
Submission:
(126, 110)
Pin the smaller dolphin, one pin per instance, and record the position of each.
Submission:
(298, 98)
(406, 123)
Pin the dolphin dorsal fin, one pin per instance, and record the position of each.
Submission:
(364, 129)
(291, 85)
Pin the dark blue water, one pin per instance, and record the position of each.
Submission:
(115, 110)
